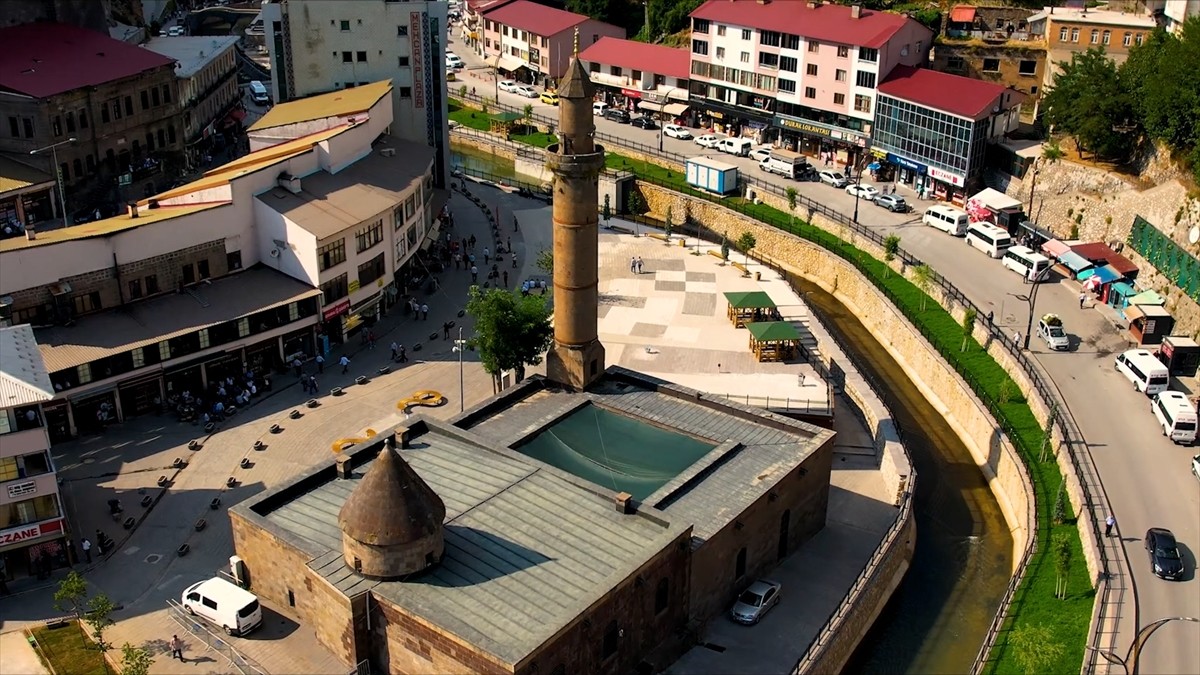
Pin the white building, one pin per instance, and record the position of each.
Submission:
(318, 46)
(208, 85)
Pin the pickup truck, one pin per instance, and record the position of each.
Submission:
(1051, 330)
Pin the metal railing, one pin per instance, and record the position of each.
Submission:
(781, 404)
(216, 643)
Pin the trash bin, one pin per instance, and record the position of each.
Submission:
(758, 276)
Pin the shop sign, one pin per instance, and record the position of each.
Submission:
(714, 114)
(631, 93)
(417, 40)
(336, 309)
(25, 489)
(354, 286)
(803, 127)
(906, 163)
(946, 177)
(17, 535)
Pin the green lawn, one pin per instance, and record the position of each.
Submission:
(70, 651)
(1034, 602)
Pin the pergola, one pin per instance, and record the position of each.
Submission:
(749, 306)
(502, 122)
(773, 340)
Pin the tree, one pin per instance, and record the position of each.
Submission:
(135, 660)
(1089, 102)
(746, 242)
(1052, 152)
(1048, 435)
(607, 211)
(791, 202)
(512, 331)
(891, 246)
(1035, 647)
(968, 326)
(1164, 84)
(462, 91)
(1060, 548)
(923, 278)
(71, 596)
(636, 203)
(545, 261)
(99, 618)
(668, 225)
(527, 113)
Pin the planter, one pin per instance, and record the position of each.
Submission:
(417, 347)
(312, 403)
(230, 482)
(245, 463)
(295, 414)
(147, 501)
(259, 445)
(215, 503)
(194, 444)
(336, 391)
(163, 480)
(433, 335)
(201, 524)
(178, 463)
(361, 379)
(384, 370)
(183, 550)
(129, 523)
(275, 428)
(210, 427)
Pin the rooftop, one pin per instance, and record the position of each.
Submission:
(1106, 17)
(330, 203)
(527, 548)
(44, 59)
(953, 94)
(15, 175)
(334, 104)
(105, 227)
(537, 19)
(23, 376)
(660, 59)
(826, 23)
(191, 54)
(95, 336)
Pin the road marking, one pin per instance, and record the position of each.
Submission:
(131, 550)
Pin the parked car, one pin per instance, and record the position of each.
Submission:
(526, 91)
(808, 173)
(833, 178)
(453, 61)
(644, 122)
(175, 31)
(1164, 554)
(509, 86)
(549, 97)
(676, 131)
(708, 140)
(760, 153)
(1050, 329)
(893, 203)
(754, 602)
(617, 115)
(863, 191)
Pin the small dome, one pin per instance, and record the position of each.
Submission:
(392, 505)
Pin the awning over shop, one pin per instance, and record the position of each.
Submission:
(1055, 248)
(650, 107)
(1148, 298)
(750, 300)
(1135, 312)
(1073, 262)
(506, 63)
(1103, 275)
(673, 109)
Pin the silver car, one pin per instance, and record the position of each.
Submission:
(755, 602)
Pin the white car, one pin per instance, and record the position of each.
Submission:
(708, 140)
(525, 90)
(676, 131)
(175, 31)
(834, 178)
(509, 86)
(760, 153)
(453, 61)
(866, 192)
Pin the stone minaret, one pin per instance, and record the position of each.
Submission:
(577, 357)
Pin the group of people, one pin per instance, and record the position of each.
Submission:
(223, 398)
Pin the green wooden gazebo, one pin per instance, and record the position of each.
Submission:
(502, 122)
(773, 340)
(749, 306)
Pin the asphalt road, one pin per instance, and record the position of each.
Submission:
(1146, 477)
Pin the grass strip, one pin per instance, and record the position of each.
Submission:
(69, 650)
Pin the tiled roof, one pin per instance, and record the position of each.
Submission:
(826, 23)
(334, 104)
(23, 376)
(962, 14)
(43, 59)
(15, 175)
(535, 18)
(657, 59)
(954, 94)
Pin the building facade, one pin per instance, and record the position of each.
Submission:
(364, 41)
(1074, 30)
(534, 43)
(33, 524)
(207, 69)
(472, 22)
(1172, 13)
(935, 128)
(123, 111)
(994, 44)
(27, 197)
(800, 72)
(639, 76)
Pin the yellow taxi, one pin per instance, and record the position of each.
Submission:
(549, 97)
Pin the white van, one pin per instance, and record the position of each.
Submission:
(258, 93)
(1023, 261)
(1177, 416)
(736, 146)
(599, 108)
(784, 163)
(988, 238)
(234, 609)
(953, 221)
(1147, 374)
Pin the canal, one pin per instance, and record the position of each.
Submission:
(939, 615)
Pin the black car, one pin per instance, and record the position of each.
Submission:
(1164, 554)
(644, 123)
(807, 173)
(616, 115)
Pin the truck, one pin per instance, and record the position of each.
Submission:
(785, 163)
(1050, 328)
(710, 175)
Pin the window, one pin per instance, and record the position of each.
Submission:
(700, 47)
(189, 274)
(154, 97)
(164, 347)
(87, 302)
(867, 54)
(1063, 33)
(205, 340)
(347, 57)
(770, 38)
(138, 356)
(843, 52)
(991, 65)
(788, 86)
(745, 57)
(1074, 35)
(739, 569)
(84, 373)
(402, 61)
(116, 108)
(614, 70)
(1095, 36)
(1027, 67)
(862, 103)
(611, 633)
(370, 270)
(145, 100)
(839, 99)
(83, 123)
(814, 46)
(331, 254)
(747, 34)
(369, 236)
(720, 52)
(768, 60)
(865, 79)
(1107, 37)
(721, 30)
(28, 123)
(56, 125)
(345, 26)
(701, 26)
(1128, 40)
(810, 92)
(789, 63)
(361, 57)
(129, 105)
(243, 327)
(405, 92)
(662, 596)
(335, 289)
(410, 207)
(151, 284)
(401, 31)
(202, 269)
(233, 260)
(1138, 39)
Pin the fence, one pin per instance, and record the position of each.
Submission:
(216, 643)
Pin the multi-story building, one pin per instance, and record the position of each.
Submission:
(993, 44)
(87, 14)
(1172, 13)
(1073, 30)
(268, 257)
(631, 74)
(365, 41)
(27, 197)
(797, 71)
(33, 524)
(534, 43)
(208, 87)
(118, 102)
(935, 128)
(472, 22)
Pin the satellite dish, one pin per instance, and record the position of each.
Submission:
(1194, 234)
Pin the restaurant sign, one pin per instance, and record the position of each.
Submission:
(631, 93)
(820, 130)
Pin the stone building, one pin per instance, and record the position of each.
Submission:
(207, 69)
(994, 44)
(1074, 30)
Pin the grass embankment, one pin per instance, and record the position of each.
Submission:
(1034, 602)
(69, 650)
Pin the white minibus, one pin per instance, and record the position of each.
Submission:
(988, 238)
(1147, 374)
(1177, 416)
(947, 218)
(258, 93)
(1023, 261)
(231, 607)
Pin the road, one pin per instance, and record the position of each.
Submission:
(1145, 476)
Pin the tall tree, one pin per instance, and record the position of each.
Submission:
(1163, 80)
(512, 331)
(1089, 102)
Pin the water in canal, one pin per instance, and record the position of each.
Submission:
(939, 615)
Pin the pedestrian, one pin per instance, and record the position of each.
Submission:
(506, 278)
(990, 316)
(633, 264)
(1082, 298)
(320, 363)
(370, 339)
(403, 354)
(471, 241)
(1109, 524)
(487, 255)
(474, 274)
(395, 350)
(86, 545)
(312, 383)
(176, 647)
(639, 264)
(1017, 339)
(446, 330)
(508, 244)
(464, 243)
(297, 365)
(514, 262)
(516, 225)
(424, 312)
(344, 362)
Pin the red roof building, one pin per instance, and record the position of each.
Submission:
(534, 43)
(534, 18)
(812, 20)
(954, 94)
(658, 59)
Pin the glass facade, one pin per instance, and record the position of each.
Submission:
(930, 137)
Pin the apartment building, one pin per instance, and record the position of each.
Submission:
(33, 524)
(1170, 13)
(533, 43)
(472, 22)
(272, 256)
(639, 76)
(798, 72)
(317, 46)
(993, 44)
(206, 68)
(117, 101)
(1073, 30)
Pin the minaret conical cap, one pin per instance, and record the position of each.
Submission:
(391, 504)
(576, 84)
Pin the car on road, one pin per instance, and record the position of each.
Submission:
(525, 90)
(754, 602)
(834, 178)
(708, 140)
(549, 97)
(175, 31)
(676, 131)
(864, 191)
(454, 61)
(508, 85)
(644, 122)
(893, 203)
(1050, 329)
(1164, 554)
(617, 115)
(760, 153)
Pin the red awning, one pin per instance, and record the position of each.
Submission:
(962, 14)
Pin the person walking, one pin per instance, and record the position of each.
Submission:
(506, 278)
(320, 363)
(297, 365)
(395, 350)
(403, 354)
(176, 647)
(370, 339)
(425, 312)
(633, 264)
(1109, 524)
(639, 264)
(1017, 339)
(344, 362)
(487, 255)
(86, 545)
(446, 330)
(474, 274)
(1082, 298)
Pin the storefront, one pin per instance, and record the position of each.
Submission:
(141, 396)
(947, 186)
(332, 320)
(664, 108)
(362, 314)
(94, 411)
(907, 172)
(298, 342)
(737, 121)
(621, 98)
(821, 141)
(33, 549)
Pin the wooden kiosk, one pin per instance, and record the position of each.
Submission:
(773, 340)
(750, 306)
(503, 122)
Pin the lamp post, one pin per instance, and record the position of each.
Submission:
(1129, 663)
(1032, 300)
(62, 191)
(856, 192)
(459, 346)
(662, 127)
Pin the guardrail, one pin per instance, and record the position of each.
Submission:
(217, 643)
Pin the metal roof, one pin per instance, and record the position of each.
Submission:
(749, 300)
(15, 175)
(821, 22)
(23, 376)
(334, 104)
(191, 53)
(772, 331)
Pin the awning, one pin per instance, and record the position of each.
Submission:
(1148, 298)
(962, 14)
(1133, 312)
(672, 109)
(1105, 274)
(1055, 248)
(675, 109)
(773, 331)
(650, 107)
(1073, 262)
(506, 63)
(750, 300)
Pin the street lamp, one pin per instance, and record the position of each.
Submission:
(62, 192)
(1130, 663)
(858, 183)
(1032, 300)
(662, 127)
(460, 345)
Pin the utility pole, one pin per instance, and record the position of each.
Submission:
(459, 346)
(62, 191)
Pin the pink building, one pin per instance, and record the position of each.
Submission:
(531, 42)
(798, 72)
(629, 74)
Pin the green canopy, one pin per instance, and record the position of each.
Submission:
(750, 300)
(773, 331)
(507, 117)
(1147, 298)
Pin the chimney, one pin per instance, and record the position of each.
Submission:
(855, 11)
(29, 233)
(623, 501)
(133, 210)
(342, 462)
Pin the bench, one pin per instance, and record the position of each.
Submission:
(658, 236)
(740, 266)
(620, 228)
(717, 255)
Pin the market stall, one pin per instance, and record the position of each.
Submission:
(773, 340)
(1181, 355)
(750, 306)
(1149, 324)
